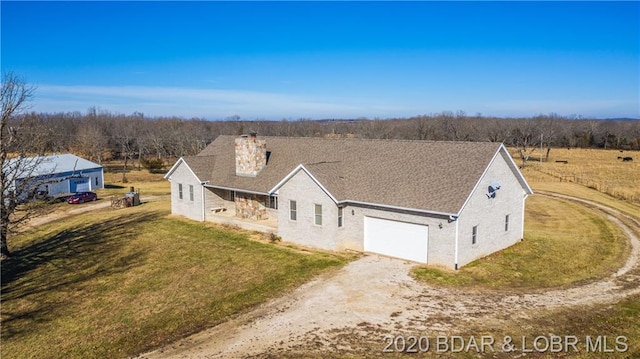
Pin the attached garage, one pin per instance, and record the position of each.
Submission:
(396, 239)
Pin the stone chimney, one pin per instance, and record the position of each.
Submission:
(251, 155)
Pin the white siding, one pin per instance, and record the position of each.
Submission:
(186, 207)
(489, 214)
(307, 194)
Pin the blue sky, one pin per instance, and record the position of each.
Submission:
(275, 60)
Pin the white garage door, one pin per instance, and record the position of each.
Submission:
(396, 239)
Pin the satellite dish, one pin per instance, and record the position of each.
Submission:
(492, 189)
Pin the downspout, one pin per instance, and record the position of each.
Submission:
(455, 248)
(203, 200)
(522, 218)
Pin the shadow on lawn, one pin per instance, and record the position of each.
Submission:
(113, 186)
(63, 262)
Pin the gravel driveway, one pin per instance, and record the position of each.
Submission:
(375, 296)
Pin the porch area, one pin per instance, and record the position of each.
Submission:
(217, 215)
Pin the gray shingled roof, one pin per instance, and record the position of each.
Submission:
(426, 175)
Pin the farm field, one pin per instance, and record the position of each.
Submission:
(597, 169)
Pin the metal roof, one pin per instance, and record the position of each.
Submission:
(63, 163)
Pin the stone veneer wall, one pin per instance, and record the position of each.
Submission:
(251, 155)
(251, 206)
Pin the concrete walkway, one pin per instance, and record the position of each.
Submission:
(267, 226)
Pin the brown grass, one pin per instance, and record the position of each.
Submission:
(565, 243)
(593, 168)
(114, 283)
(142, 180)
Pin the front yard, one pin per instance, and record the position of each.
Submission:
(114, 283)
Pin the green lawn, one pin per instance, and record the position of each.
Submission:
(115, 283)
(564, 243)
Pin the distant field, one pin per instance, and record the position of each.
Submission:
(142, 180)
(594, 168)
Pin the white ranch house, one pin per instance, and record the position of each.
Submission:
(444, 203)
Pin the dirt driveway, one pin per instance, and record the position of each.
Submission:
(77, 209)
(375, 296)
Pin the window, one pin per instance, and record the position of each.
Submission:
(273, 202)
(232, 196)
(191, 192)
(506, 223)
(474, 235)
(180, 190)
(293, 210)
(318, 214)
(97, 183)
(339, 216)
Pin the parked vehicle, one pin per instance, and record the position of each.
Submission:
(82, 197)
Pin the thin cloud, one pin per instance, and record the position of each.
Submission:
(213, 103)
(599, 108)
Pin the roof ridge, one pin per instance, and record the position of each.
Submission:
(368, 139)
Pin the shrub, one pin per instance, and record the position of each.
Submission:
(152, 164)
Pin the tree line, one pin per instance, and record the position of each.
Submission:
(102, 135)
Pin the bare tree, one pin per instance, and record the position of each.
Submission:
(91, 140)
(526, 137)
(18, 140)
(125, 136)
(422, 128)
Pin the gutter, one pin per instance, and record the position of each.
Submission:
(405, 209)
(235, 189)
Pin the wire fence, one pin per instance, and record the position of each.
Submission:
(600, 186)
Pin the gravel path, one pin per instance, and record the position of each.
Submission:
(374, 296)
(79, 208)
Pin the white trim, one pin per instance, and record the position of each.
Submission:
(514, 167)
(175, 166)
(203, 204)
(286, 178)
(522, 220)
(236, 189)
(293, 211)
(294, 172)
(172, 169)
(486, 169)
(347, 202)
(518, 175)
(315, 215)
